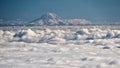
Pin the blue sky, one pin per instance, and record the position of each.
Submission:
(94, 10)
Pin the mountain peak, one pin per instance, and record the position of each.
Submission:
(49, 16)
(48, 19)
(54, 19)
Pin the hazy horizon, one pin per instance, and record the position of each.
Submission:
(94, 10)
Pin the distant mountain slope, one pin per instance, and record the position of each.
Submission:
(53, 19)
(48, 19)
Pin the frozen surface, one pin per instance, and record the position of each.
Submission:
(66, 48)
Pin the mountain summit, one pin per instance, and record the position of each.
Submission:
(48, 19)
(54, 19)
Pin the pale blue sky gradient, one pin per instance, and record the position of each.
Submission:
(94, 10)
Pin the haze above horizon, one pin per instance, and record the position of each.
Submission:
(94, 10)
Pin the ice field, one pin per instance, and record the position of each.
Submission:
(60, 48)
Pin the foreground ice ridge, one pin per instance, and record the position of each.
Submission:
(58, 36)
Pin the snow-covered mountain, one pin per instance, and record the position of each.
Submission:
(53, 19)
(48, 19)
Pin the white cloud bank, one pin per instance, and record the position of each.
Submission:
(79, 21)
(60, 48)
(48, 35)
